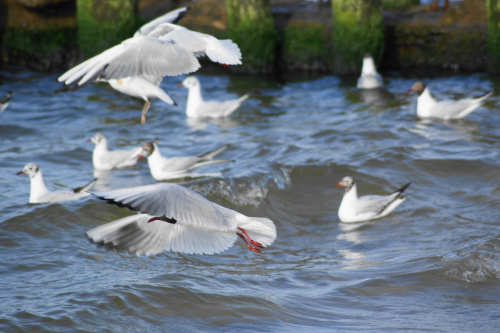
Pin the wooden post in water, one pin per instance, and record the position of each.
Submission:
(493, 14)
(251, 26)
(357, 28)
(102, 24)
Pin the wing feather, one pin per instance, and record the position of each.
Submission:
(134, 235)
(173, 201)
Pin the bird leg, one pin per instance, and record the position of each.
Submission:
(249, 239)
(144, 111)
(252, 248)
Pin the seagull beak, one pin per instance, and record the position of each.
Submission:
(337, 185)
(88, 140)
(20, 173)
(139, 157)
(179, 84)
(408, 91)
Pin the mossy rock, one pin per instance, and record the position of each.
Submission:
(307, 46)
(451, 47)
(46, 50)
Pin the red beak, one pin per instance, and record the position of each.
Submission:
(139, 157)
(88, 140)
(337, 185)
(20, 173)
(179, 84)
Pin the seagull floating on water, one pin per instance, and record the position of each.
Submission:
(174, 218)
(370, 78)
(4, 102)
(159, 48)
(369, 207)
(104, 159)
(197, 107)
(177, 167)
(428, 107)
(39, 192)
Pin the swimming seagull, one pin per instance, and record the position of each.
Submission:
(354, 209)
(104, 159)
(159, 48)
(176, 167)
(370, 78)
(199, 108)
(174, 218)
(4, 102)
(428, 107)
(39, 192)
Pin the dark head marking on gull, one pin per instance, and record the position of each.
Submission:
(417, 87)
(346, 182)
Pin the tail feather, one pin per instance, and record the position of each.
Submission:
(164, 96)
(213, 153)
(487, 95)
(260, 229)
(85, 188)
(404, 187)
(209, 162)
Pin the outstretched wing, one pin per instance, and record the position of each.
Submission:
(170, 201)
(170, 17)
(134, 235)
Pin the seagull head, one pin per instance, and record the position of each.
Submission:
(417, 87)
(31, 169)
(190, 82)
(147, 149)
(346, 182)
(97, 138)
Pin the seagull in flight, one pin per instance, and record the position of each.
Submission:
(159, 48)
(174, 218)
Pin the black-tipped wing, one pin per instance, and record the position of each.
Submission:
(173, 201)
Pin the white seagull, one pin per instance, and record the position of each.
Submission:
(370, 78)
(39, 192)
(176, 167)
(104, 159)
(4, 102)
(428, 107)
(177, 219)
(198, 108)
(369, 207)
(159, 48)
(145, 87)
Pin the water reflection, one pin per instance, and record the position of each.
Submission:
(198, 124)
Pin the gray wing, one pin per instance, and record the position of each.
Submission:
(141, 56)
(374, 203)
(170, 17)
(221, 51)
(180, 164)
(170, 201)
(449, 109)
(134, 235)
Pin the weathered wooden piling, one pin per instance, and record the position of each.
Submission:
(102, 24)
(357, 28)
(493, 17)
(251, 26)
(399, 4)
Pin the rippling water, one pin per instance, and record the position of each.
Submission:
(432, 265)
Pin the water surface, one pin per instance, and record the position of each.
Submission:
(432, 265)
